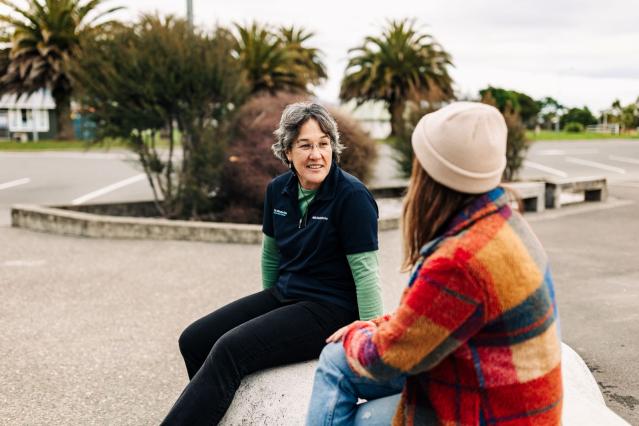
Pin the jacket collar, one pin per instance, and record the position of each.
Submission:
(480, 207)
(326, 190)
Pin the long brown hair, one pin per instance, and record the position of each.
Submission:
(427, 207)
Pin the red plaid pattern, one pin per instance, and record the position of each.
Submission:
(476, 329)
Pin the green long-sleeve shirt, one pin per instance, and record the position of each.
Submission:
(364, 266)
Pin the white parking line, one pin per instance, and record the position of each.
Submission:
(543, 168)
(564, 152)
(624, 159)
(107, 189)
(596, 165)
(13, 183)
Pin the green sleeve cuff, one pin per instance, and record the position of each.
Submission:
(365, 269)
(270, 262)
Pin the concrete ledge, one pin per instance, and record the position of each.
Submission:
(145, 209)
(280, 396)
(594, 188)
(65, 222)
(532, 194)
(390, 191)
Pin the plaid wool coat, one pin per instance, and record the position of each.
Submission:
(476, 330)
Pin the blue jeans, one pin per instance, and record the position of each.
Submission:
(337, 388)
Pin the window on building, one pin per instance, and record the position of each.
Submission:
(4, 119)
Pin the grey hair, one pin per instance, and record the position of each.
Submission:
(293, 118)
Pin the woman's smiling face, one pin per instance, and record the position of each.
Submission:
(311, 155)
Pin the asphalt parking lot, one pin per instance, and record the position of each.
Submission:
(90, 327)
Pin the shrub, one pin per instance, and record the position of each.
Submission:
(250, 164)
(578, 115)
(360, 156)
(516, 145)
(525, 106)
(401, 143)
(160, 76)
(574, 127)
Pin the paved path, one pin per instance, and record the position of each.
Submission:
(89, 327)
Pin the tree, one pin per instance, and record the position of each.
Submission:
(400, 65)
(549, 111)
(278, 60)
(521, 103)
(578, 115)
(161, 77)
(307, 61)
(45, 38)
(615, 110)
(626, 116)
(630, 116)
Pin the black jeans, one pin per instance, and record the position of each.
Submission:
(253, 333)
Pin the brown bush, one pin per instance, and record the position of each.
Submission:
(517, 145)
(250, 164)
(360, 155)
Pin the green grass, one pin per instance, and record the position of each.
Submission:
(73, 145)
(58, 145)
(546, 135)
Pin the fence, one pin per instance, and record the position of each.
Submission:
(612, 129)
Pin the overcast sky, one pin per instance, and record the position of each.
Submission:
(581, 52)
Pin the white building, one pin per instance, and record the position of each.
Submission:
(372, 115)
(28, 117)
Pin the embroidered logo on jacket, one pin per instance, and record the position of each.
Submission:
(319, 218)
(279, 212)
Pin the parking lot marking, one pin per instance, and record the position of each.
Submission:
(596, 165)
(13, 183)
(564, 152)
(624, 159)
(107, 189)
(546, 169)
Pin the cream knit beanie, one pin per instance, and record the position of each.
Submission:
(463, 146)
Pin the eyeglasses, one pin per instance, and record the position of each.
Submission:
(308, 147)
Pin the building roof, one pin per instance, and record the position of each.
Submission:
(38, 100)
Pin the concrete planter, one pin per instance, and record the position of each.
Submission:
(280, 396)
(104, 221)
(79, 224)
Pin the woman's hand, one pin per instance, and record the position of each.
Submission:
(339, 334)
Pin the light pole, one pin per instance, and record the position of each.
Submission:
(189, 12)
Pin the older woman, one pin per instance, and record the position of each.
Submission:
(319, 272)
(475, 339)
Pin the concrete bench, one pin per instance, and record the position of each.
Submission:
(280, 396)
(532, 194)
(395, 190)
(594, 188)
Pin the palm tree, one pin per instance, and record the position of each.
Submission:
(307, 60)
(275, 62)
(402, 64)
(45, 37)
